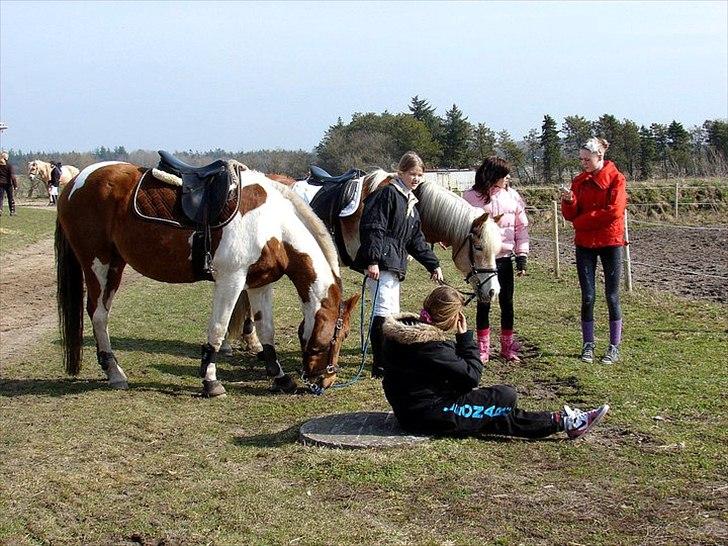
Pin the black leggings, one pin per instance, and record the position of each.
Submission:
(7, 188)
(488, 410)
(586, 266)
(505, 299)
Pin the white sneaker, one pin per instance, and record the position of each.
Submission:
(577, 422)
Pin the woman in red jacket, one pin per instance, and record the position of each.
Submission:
(595, 204)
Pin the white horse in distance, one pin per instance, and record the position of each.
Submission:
(42, 169)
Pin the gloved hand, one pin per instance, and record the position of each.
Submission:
(521, 264)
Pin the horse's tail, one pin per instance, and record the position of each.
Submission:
(237, 319)
(69, 295)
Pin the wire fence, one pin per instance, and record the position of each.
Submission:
(556, 242)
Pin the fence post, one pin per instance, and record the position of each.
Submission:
(677, 197)
(557, 266)
(627, 258)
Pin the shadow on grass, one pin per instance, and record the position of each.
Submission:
(69, 387)
(272, 440)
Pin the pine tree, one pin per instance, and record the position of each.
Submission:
(648, 153)
(631, 146)
(455, 138)
(678, 143)
(483, 142)
(551, 145)
(576, 130)
(509, 150)
(610, 128)
(659, 134)
(422, 111)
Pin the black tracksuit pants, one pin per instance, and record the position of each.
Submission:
(488, 410)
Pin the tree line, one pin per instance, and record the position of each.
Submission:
(544, 155)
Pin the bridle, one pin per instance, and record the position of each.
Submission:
(331, 368)
(476, 272)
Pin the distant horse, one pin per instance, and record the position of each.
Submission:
(446, 218)
(42, 170)
(268, 234)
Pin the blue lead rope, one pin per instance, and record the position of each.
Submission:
(363, 338)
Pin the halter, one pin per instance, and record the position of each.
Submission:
(474, 271)
(331, 368)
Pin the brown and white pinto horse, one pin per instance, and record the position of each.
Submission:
(270, 235)
(446, 218)
(42, 169)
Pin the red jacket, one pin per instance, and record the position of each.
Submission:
(597, 207)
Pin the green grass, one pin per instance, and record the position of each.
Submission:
(28, 226)
(82, 464)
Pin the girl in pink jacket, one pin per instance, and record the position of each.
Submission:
(492, 192)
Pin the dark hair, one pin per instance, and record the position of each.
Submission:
(493, 169)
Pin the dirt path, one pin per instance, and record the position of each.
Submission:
(690, 263)
(27, 297)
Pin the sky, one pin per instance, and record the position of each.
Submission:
(245, 76)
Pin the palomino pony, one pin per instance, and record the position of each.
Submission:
(42, 170)
(446, 218)
(269, 234)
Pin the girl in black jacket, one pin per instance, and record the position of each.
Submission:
(431, 381)
(389, 230)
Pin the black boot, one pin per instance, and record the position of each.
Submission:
(376, 338)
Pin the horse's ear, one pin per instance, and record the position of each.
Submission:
(479, 221)
(497, 218)
(351, 303)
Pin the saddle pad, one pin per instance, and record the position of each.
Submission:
(157, 201)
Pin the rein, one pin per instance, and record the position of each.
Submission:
(363, 339)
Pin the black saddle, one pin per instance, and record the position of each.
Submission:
(204, 189)
(335, 194)
(320, 177)
(205, 192)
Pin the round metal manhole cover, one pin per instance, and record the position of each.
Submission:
(357, 430)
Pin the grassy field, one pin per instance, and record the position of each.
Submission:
(28, 226)
(82, 464)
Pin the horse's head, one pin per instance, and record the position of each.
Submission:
(331, 325)
(33, 169)
(477, 255)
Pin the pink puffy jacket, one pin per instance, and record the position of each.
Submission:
(513, 224)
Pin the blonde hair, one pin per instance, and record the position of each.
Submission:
(596, 145)
(408, 161)
(444, 304)
(4, 157)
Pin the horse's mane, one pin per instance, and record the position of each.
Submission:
(372, 180)
(314, 224)
(446, 214)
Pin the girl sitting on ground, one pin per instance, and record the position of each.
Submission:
(431, 381)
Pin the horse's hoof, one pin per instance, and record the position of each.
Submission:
(212, 389)
(119, 385)
(284, 384)
(226, 349)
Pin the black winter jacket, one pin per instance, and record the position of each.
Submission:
(387, 234)
(424, 369)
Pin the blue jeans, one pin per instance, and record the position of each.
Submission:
(586, 266)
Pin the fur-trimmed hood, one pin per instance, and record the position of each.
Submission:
(406, 328)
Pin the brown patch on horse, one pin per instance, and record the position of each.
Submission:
(277, 259)
(251, 197)
(282, 178)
